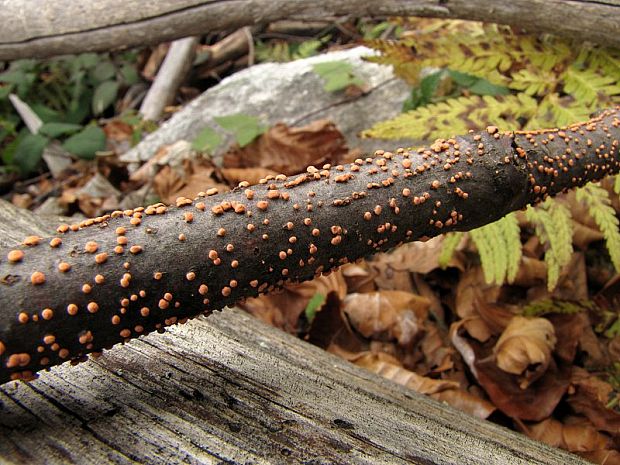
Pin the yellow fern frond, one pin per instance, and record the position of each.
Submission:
(604, 60)
(450, 242)
(534, 81)
(553, 226)
(456, 116)
(599, 206)
(590, 87)
(555, 111)
(617, 184)
(499, 246)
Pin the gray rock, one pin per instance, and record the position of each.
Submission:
(291, 93)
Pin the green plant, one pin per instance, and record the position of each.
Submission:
(519, 81)
(283, 51)
(338, 75)
(245, 129)
(65, 93)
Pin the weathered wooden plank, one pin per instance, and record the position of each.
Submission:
(34, 28)
(229, 389)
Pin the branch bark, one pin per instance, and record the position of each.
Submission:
(113, 278)
(38, 29)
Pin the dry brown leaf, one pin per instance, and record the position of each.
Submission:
(525, 342)
(590, 397)
(471, 291)
(117, 130)
(234, 176)
(290, 150)
(442, 390)
(359, 277)
(437, 354)
(572, 437)
(283, 309)
(196, 177)
(389, 367)
(387, 314)
(536, 402)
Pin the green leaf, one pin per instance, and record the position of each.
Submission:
(103, 71)
(599, 206)
(245, 128)
(477, 85)
(86, 143)
(27, 154)
(207, 140)
(450, 243)
(338, 75)
(314, 305)
(129, 74)
(5, 91)
(58, 129)
(104, 96)
(87, 60)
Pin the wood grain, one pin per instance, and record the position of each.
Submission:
(31, 28)
(229, 389)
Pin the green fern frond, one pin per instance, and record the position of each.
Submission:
(565, 307)
(553, 226)
(555, 111)
(617, 184)
(588, 86)
(454, 116)
(599, 206)
(450, 242)
(511, 233)
(499, 246)
(534, 81)
(604, 60)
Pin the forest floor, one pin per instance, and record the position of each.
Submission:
(543, 362)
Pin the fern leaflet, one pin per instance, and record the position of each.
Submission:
(499, 246)
(599, 205)
(552, 222)
(450, 242)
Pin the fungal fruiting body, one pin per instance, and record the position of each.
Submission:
(108, 279)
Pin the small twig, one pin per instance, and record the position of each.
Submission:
(172, 71)
(250, 39)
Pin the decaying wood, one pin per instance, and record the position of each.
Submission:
(31, 28)
(117, 277)
(229, 389)
(172, 72)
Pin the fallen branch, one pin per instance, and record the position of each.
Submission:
(114, 278)
(113, 24)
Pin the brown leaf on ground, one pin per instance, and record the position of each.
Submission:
(525, 342)
(387, 315)
(580, 437)
(117, 130)
(438, 355)
(234, 176)
(196, 176)
(289, 150)
(471, 293)
(390, 368)
(360, 277)
(535, 403)
(283, 309)
(590, 398)
(439, 389)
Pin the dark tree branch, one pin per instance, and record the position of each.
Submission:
(113, 24)
(117, 277)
